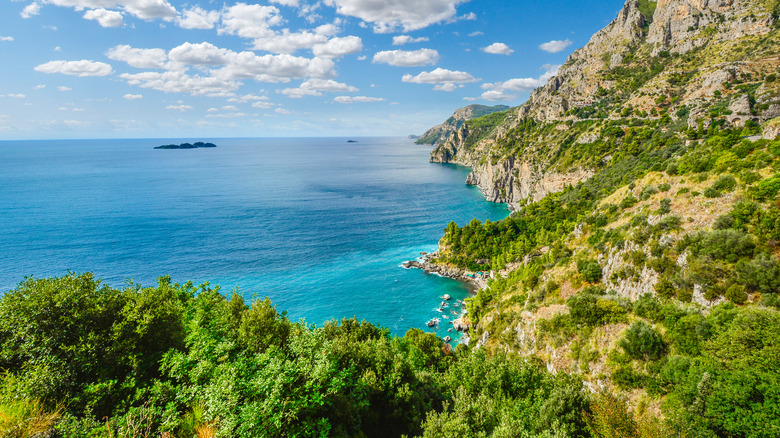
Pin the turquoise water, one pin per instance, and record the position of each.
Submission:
(321, 226)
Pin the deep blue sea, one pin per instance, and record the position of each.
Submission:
(319, 225)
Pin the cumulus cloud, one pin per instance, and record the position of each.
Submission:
(292, 3)
(6, 38)
(446, 87)
(200, 54)
(555, 46)
(315, 87)
(76, 68)
(357, 99)
(143, 9)
(289, 42)
(139, 58)
(250, 21)
(247, 98)
(104, 17)
(387, 16)
(400, 40)
(64, 88)
(402, 58)
(337, 47)
(181, 108)
(506, 90)
(498, 49)
(221, 81)
(197, 18)
(180, 82)
(275, 68)
(440, 76)
(133, 96)
(31, 10)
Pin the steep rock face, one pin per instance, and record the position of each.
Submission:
(438, 134)
(635, 44)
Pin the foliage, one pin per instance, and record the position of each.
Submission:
(643, 342)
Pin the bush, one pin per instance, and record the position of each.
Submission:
(590, 270)
(628, 202)
(724, 183)
(643, 342)
(711, 193)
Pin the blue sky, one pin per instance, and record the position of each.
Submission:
(210, 69)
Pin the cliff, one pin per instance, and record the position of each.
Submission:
(677, 61)
(439, 133)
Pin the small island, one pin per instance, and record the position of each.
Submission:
(197, 144)
(352, 141)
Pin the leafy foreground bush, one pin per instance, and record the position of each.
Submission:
(81, 359)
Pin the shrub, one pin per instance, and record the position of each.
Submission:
(736, 294)
(643, 342)
(628, 202)
(724, 183)
(711, 193)
(590, 270)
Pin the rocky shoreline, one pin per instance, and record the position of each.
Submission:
(476, 281)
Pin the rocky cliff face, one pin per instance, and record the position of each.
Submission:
(679, 58)
(438, 134)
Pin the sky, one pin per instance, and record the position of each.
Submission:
(274, 68)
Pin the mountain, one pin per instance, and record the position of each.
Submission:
(642, 253)
(439, 133)
(683, 63)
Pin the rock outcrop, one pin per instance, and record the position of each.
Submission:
(440, 133)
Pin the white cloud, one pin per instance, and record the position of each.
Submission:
(250, 21)
(133, 96)
(143, 9)
(498, 49)
(386, 16)
(17, 96)
(400, 40)
(181, 108)
(476, 33)
(440, 76)
(200, 54)
(401, 58)
(76, 68)
(291, 3)
(275, 68)
(247, 98)
(289, 42)
(503, 90)
(357, 99)
(40, 87)
(262, 104)
(555, 46)
(180, 82)
(6, 38)
(104, 17)
(227, 115)
(197, 18)
(64, 88)
(230, 108)
(446, 87)
(139, 58)
(283, 111)
(315, 87)
(337, 47)
(31, 10)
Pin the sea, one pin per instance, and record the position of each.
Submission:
(321, 226)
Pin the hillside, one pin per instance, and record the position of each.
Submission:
(439, 133)
(645, 182)
(672, 64)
